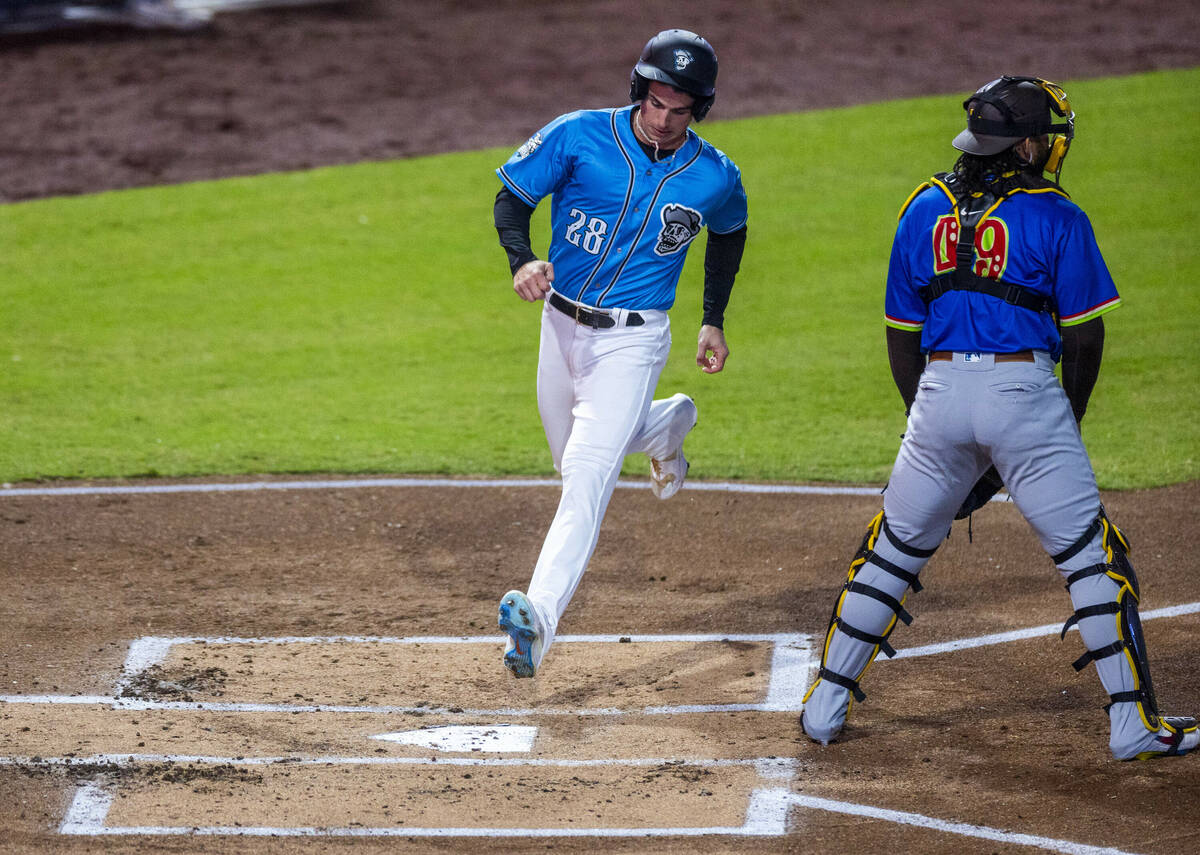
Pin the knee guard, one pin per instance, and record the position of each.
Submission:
(867, 556)
(1129, 640)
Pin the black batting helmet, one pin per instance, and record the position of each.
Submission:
(681, 59)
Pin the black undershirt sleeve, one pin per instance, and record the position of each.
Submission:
(1083, 347)
(512, 216)
(907, 362)
(722, 258)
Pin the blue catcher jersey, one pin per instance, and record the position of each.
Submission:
(1038, 239)
(621, 223)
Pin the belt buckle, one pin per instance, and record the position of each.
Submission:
(578, 309)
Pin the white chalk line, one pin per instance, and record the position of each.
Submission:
(1023, 634)
(141, 705)
(789, 650)
(152, 650)
(792, 668)
(377, 483)
(961, 828)
(766, 816)
(766, 812)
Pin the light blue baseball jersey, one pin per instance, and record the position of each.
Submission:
(622, 223)
(1038, 239)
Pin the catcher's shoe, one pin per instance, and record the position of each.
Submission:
(822, 735)
(1179, 735)
(668, 473)
(523, 652)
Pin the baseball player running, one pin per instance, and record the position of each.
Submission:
(995, 276)
(632, 188)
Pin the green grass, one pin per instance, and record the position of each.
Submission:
(361, 319)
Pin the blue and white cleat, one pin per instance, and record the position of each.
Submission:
(523, 653)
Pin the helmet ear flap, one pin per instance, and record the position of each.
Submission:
(639, 87)
(701, 107)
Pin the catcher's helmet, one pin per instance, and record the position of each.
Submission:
(1009, 109)
(680, 59)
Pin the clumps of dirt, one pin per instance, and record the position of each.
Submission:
(157, 683)
(679, 771)
(146, 773)
(223, 773)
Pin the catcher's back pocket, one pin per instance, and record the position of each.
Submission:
(1019, 392)
(1014, 388)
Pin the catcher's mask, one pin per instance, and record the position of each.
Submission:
(681, 59)
(1010, 109)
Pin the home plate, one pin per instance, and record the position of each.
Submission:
(492, 737)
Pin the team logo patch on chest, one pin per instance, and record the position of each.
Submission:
(680, 225)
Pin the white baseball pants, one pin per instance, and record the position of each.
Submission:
(595, 391)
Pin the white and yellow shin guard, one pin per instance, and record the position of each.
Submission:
(864, 615)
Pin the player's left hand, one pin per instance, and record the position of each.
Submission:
(711, 350)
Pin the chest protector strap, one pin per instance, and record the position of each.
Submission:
(970, 209)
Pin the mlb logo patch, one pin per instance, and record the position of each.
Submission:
(972, 357)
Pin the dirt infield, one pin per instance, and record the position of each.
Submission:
(305, 623)
(212, 671)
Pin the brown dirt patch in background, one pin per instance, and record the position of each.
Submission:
(367, 80)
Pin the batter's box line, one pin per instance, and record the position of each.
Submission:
(791, 669)
(766, 816)
(766, 812)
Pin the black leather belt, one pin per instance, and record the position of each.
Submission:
(1019, 356)
(596, 319)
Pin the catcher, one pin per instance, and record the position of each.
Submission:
(995, 276)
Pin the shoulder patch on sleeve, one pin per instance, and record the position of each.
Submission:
(530, 146)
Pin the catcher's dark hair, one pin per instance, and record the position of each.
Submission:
(998, 173)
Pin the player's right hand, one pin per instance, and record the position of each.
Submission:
(533, 279)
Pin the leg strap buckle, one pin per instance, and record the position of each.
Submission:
(844, 682)
(876, 594)
(854, 632)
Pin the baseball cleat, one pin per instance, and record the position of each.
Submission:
(668, 474)
(523, 652)
(1179, 735)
